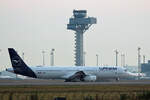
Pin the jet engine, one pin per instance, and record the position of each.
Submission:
(90, 78)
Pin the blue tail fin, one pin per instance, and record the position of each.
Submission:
(18, 64)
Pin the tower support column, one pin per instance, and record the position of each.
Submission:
(79, 48)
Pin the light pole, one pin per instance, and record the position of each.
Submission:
(139, 62)
(43, 52)
(116, 57)
(122, 60)
(143, 58)
(84, 53)
(97, 60)
(22, 55)
(52, 57)
(0, 51)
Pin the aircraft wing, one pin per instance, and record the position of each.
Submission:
(77, 76)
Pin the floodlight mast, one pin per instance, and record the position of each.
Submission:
(80, 23)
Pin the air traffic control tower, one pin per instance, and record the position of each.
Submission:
(80, 23)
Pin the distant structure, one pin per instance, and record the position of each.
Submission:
(145, 68)
(80, 23)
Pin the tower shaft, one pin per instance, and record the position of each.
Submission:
(79, 48)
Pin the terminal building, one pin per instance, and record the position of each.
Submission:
(145, 68)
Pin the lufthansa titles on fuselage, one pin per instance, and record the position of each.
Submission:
(107, 68)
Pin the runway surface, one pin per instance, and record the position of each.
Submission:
(6, 82)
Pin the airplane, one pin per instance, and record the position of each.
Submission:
(68, 73)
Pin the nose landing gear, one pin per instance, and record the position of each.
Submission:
(117, 79)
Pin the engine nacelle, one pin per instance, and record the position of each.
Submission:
(90, 78)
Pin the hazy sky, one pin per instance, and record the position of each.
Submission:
(31, 26)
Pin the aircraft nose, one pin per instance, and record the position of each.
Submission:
(133, 74)
(10, 70)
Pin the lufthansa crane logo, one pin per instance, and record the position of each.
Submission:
(16, 61)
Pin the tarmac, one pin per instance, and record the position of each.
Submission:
(17, 82)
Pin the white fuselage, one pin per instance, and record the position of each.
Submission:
(59, 72)
(65, 72)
